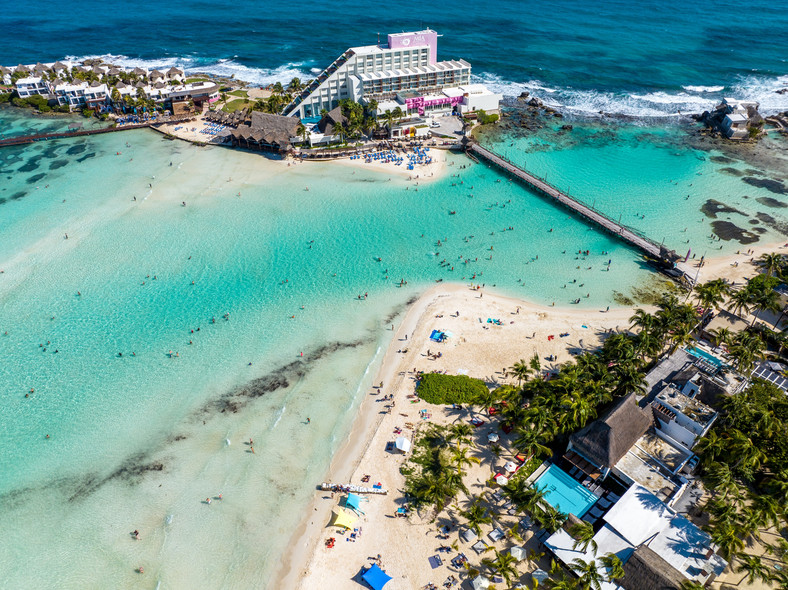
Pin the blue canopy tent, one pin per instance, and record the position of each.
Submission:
(375, 577)
(353, 502)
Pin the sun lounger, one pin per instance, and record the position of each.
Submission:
(435, 561)
(604, 503)
(596, 512)
(589, 519)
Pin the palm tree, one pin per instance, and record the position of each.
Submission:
(578, 410)
(740, 302)
(295, 86)
(710, 447)
(278, 89)
(755, 568)
(583, 535)
(642, 320)
(746, 348)
(531, 443)
(722, 336)
(692, 585)
(461, 459)
(771, 263)
(503, 565)
(520, 370)
(397, 113)
(550, 518)
(590, 576)
(727, 536)
(613, 565)
(764, 298)
(476, 515)
(460, 433)
(564, 582)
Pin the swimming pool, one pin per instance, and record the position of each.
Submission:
(564, 493)
(700, 353)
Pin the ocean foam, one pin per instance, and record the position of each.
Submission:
(655, 104)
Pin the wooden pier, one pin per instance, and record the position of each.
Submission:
(665, 258)
(27, 139)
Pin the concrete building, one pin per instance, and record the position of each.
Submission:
(682, 417)
(403, 71)
(659, 548)
(30, 86)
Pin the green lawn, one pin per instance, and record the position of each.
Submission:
(190, 80)
(240, 92)
(234, 105)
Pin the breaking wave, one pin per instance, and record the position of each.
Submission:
(229, 68)
(655, 104)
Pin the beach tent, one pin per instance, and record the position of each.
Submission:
(518, 552)
(480, 582)
(353, 501)
(343, 519)
(403, 444)
(375, 577)
(468, 535)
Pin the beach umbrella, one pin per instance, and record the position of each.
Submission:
(375, 577)
(403, 444)
(510, 467)
(539, 575)
(518, 552)
(493, 437)
(353, 501)
(501, 480)
(480, 582)
(343, 519)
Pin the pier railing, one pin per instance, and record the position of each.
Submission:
(588, 212)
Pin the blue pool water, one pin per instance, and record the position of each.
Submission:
(564, 493)
(699, 353)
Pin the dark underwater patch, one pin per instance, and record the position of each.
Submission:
(775, 224)
(770, 202)
(31, 165)
(76, 149)
(721, 159)
(725, 230)
(18, 195)
(712, 208)
(58, 164)
(731, 171)
(773, 186)
(86, 156)
(35, 178)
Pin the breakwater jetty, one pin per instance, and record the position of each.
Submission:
(665, 258)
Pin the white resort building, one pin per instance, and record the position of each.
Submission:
(404, 72)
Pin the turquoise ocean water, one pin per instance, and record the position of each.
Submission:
(144, 425)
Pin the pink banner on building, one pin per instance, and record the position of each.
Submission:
(420, 102)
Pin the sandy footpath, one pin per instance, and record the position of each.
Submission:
(476, 347)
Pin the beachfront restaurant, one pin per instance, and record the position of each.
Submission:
(266, 132)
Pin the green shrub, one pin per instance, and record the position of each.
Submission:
(436, 388)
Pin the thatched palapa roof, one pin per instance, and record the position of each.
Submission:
(645, 570)
(328, 123)
(275, 129)
(606, 440)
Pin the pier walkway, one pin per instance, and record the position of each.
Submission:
(27, 139)
(665, 257)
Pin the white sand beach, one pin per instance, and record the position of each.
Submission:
(477, 348)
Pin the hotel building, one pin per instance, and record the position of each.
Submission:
(404, 72)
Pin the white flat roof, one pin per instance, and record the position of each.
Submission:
(30, 80)
(638, 515)
(441, 66)
(607, 540)
(736, 118)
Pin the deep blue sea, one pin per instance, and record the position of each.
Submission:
(647, 58)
